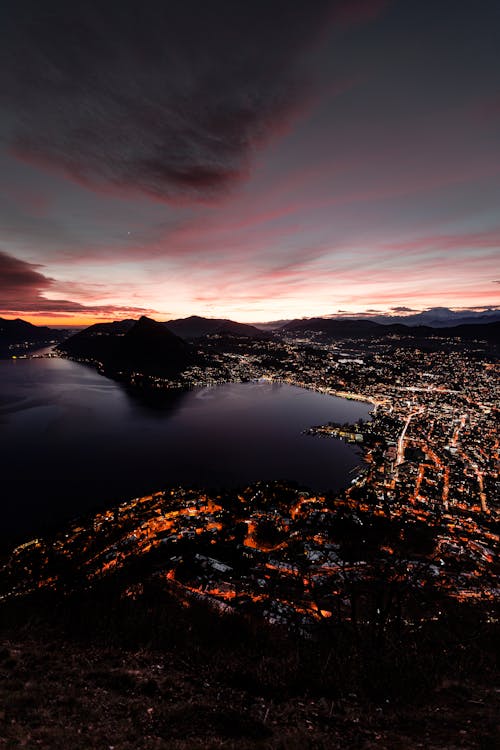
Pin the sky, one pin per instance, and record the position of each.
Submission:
(256, 160)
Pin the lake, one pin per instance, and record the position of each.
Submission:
(71, 440)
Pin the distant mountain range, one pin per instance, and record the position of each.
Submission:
(435, 317)
(441, 317)
(343, 328)
(195, 327)
(127, 345)
(164, 347)
(18, 336)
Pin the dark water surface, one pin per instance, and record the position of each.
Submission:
(71, 440)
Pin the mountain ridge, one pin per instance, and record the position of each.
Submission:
(356, 328)
(129, 344)
(196, 326)
(434, 317)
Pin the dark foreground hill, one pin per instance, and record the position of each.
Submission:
(196, 327)
(129, 345)
(95, 671)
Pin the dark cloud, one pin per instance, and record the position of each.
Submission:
(23, 288)
(19, 280)
(402, 308)
(168, 97)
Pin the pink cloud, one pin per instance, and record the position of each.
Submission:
(486, 239)
(25, 289)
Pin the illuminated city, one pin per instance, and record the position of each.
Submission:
(431, 458)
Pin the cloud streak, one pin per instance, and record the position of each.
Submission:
(169, 98)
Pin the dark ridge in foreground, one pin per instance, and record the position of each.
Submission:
(264, 618)
(98, 672)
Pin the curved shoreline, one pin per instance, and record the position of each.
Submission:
(348, 395)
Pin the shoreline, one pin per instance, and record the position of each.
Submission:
(348, 395)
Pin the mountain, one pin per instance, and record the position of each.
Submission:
(195, 327)
(18, 336)
(128, 345)
(335, 327)
(344, 328)
(434, 317)
(441, 317)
